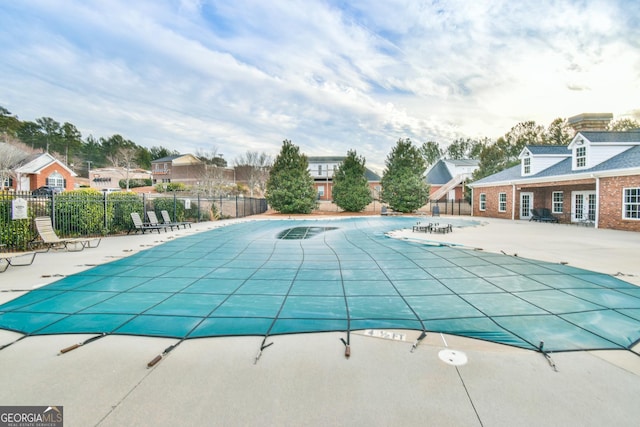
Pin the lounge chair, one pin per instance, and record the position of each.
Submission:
(138, 225)
(153, 220)
(166, 220)
(535, 215)
(542, 215)
(388, 211)
(50, 239)
(7, 259)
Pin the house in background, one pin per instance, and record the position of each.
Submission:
(101, 178)
(37, 170)
(184, 168)
(447, 178)
(322, 169)
(594, 180)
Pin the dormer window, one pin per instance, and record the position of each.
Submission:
(526, 165)
(581, 157)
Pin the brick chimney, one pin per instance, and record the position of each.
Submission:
(590, 121)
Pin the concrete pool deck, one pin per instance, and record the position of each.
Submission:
(306, 380)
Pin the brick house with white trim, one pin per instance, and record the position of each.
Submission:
(37, 170)
(594, 180)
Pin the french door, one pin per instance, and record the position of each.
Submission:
(583, 206)
(526, 204)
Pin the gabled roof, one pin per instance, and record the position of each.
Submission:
(610, 136)
(547, 150)
(625, 161)
(166, 159)
(439, 174)
(325, 159)
(34, 163)
(463, 162)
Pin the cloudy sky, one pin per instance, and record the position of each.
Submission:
(330, 75)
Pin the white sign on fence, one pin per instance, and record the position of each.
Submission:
(187, 203)
(19, 209)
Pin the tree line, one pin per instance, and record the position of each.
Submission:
(290, 188)
(65, 142)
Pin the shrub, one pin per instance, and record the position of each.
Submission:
(80, 211)
(120, 207)
(14, 234)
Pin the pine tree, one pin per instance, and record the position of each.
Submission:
(350, 187)
(290, 186)
(403, 183)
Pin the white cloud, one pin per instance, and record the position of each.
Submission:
(330, 76)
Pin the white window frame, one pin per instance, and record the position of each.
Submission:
(557, 203)
(526, 166)
(502, 204)
(320, 191)
(635, 204)
(55, 180)
(581, 157)
(482, 202)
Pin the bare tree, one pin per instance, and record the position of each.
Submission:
(253, 168)
(11, 153)
(124, 157)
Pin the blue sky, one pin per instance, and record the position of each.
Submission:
(233, 76)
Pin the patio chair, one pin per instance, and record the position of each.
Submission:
(138, 225)
(535, 215)
(7, 259)
(546, 216)
(153, 220)
(166, 219)
(50, 239)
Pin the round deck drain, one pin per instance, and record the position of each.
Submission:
(452, 357)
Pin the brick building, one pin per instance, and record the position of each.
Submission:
(594, 180)
(37, 170)
(447, 178)
(322, 168)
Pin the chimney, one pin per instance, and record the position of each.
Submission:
(590, 121)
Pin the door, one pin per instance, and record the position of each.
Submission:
(583, 206)
(526, 204)
(24, 183)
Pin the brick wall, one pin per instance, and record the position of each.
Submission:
(492, 208)
(38, 180)
(611, 194)
(610, 203)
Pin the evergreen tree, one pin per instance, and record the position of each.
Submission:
(403, 183)
(350, 187)
(290, 186)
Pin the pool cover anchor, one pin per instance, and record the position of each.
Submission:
(347, 347)
(166, 351)
(418, 340)
(547, 356)
(80, 344)
(262, 347)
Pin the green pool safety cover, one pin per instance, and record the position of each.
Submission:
(269, 277)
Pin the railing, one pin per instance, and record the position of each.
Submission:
(450, 207)
(82, 214)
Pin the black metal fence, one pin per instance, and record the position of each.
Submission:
(87, 213)
(450, 207)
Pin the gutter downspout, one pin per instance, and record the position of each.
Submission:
(597, 202)
(513, 202)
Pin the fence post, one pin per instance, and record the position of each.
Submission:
(104, 202)
(175, 206)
